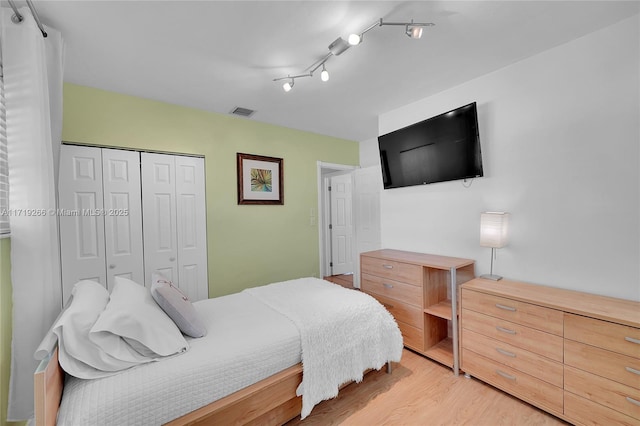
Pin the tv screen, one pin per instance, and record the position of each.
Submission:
(441, 148)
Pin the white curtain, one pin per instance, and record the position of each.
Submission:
(33, 90)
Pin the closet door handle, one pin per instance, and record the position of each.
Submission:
(505, 307)
(633, 401)
(632, 370)
(505, 330)
(505, 375)
(171, 259)
(385, 266)
(385, 285)
(507, 353)
(632, 340)
(112, 266)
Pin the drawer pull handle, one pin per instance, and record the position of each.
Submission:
(386, 305)
(632, 370)
(505, 375)
(632, 340)
(385, 266)
(507, 353)
(506, 308)
(633, 401)
(387, 285)
(505, 330)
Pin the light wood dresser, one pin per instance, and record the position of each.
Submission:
(421, 291)
(573, 354)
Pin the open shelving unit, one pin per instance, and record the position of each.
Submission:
(422, 292)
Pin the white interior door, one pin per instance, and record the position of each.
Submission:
(123, 215)
(192, 227)
(341, 225)
(81, 224)
(366, 193)
(159, 215)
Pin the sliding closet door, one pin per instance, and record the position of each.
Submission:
(159, 215)
(81, 225)
(191, 223)
(123, 215)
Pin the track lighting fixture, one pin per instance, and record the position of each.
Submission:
(413, 31)
(339, 46)
(324, 75)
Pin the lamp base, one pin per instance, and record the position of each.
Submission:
(491, 277)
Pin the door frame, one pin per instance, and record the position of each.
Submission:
(324, 169)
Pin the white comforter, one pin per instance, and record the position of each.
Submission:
(337, 333)
(343, 333)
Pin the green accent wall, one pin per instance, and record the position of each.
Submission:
(5, 329)
(247, 245)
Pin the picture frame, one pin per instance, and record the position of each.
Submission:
(260, 179)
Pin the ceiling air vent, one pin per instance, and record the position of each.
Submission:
(242, 112)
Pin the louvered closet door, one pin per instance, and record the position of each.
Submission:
(81, 228)
(191, 226)
(123, 215)
(159, 215)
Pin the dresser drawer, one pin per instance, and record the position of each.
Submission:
(606, 335)
(402, 312)
(624, 399)
(412, 337)
(538, 317)
(400, 291)
(536, 341)
(405, 272)
(582, 411)
(515, 382)
(514, 357)
(621, 368)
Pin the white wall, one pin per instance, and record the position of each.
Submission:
(560, 136)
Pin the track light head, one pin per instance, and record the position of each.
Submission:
(354, 39)
(288, 85)
(414, 31)
(338, 46)
(324, 75)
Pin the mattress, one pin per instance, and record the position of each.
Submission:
(246, 341)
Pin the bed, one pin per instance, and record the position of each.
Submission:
(270, 354)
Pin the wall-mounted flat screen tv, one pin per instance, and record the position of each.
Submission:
(441, 148)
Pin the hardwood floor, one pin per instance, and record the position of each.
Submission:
(345, 280)
(423, 392)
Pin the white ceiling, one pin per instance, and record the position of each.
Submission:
(216, 55)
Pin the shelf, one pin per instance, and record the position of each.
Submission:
(442, 352)
(442, 310)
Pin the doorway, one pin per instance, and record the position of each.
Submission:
(335, 221)
(364, 211)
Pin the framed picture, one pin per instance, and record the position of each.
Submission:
(260, 179)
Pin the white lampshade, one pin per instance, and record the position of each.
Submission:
(493, 229)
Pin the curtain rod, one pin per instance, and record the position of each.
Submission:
(17, 17)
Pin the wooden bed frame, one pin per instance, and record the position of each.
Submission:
(271, 401)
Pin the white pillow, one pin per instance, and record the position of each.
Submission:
(78, 355)
(177, 305)
(133, 315)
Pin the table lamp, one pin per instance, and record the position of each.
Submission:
(493, 233)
